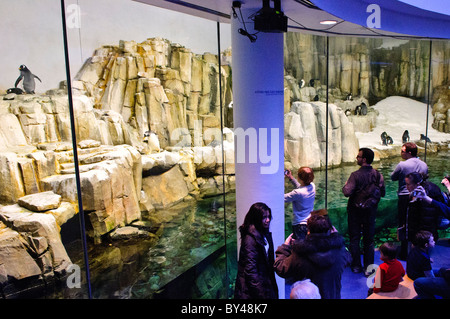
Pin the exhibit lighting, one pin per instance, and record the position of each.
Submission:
(328, 22)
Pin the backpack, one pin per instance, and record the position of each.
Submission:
(370, 195)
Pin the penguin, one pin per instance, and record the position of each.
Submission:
(302, 83)
(311, 83)
(350, 97)
(384, 137)
(425, 138)
(389, 140)
(405, 136)
(316, 98)
(152, 140)
(214, 208)
(17, 91)
(28, 79)
(363, 108)
(348, 112)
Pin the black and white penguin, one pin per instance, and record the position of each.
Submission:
(389, 140)
(28, 79)
(302, 83)
(363, 108)
(405, 136)
(17, 91)
(384, 137)
(350, 97)
(151, 138)
(425, 138)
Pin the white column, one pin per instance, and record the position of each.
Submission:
(258, 112)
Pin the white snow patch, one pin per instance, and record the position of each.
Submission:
(397, 114)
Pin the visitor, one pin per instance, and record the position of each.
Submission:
(320, 257)
(364, 188)
(444, 209)
(418, 263)
(255, 275)
(428, 282)
(304, 289)
(410, 164)
(420, 214)
(302, 198)
(390, 273)
(431, 287)
(446, 182)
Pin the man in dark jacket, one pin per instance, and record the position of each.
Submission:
(321, 257)
(420, 214)
(364, 188)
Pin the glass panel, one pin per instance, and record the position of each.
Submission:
(376, 85)
(381, 86)
(40, 240)
(147, 97)
(306, 114)
(439, 117)
(229, 198)
(150, 118)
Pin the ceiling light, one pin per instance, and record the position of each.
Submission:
(328, 22)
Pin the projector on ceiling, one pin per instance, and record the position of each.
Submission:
(270, 19)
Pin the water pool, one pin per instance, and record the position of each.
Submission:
(190, 258)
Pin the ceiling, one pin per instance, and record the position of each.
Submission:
(398, 17)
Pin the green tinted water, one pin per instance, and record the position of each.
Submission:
(197, 229)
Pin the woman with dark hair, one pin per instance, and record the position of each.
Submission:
(256, 277)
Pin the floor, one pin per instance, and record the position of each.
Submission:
(354, 286)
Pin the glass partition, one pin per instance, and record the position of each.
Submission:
(151, 116)
(149, 93)
(378, 97)
(41, 243)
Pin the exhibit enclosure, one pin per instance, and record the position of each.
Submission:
(133, 139)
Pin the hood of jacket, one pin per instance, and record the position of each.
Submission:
(322, 250)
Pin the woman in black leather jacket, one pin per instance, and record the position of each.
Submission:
(256, 277)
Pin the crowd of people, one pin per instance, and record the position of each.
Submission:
(314, 256)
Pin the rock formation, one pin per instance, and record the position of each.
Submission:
(305, 135)
(147, 123)
(370, 68)
(441, 108)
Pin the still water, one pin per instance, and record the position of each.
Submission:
(197, 229)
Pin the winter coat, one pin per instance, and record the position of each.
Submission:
(320, 257)
(423, 216)
(255, 276)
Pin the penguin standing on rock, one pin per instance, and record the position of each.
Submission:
(28, 79)
(302, 83)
